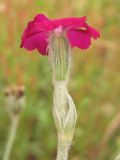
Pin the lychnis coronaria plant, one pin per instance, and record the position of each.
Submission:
(55, 38)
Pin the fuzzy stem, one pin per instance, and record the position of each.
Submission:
(65, 115)
(118, 157)
(63, 148)
(11, 137)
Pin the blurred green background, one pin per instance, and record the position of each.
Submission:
(94, 84)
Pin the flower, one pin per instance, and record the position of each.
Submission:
(38, 31)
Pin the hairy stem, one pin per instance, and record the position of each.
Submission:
(65, 115)
(63, 148)
(118, 157)
(11, 138)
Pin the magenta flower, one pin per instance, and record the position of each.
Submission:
(38, 31)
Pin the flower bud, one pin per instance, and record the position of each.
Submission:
(14, 99)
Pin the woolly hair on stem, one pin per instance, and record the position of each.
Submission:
(64, 111)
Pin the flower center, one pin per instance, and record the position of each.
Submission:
(58, 30)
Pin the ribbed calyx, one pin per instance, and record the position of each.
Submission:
(59, 55)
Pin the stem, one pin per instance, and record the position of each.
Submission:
(118, 157)
(11, 137)
(63, 148)
(60, 110)
(65, 115)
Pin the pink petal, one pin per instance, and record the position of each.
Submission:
(79, 38)
(33, 27)
(37, 41)
(40, 18)
(38, 31)
(66, 23)
(95, 34)
(42, 24)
